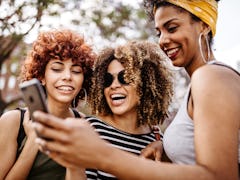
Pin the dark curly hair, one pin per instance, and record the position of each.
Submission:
(150, 5)
(144, 64)
(59, 44)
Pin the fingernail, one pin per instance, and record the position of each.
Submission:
(47, 152)
(39, 141)
(34, 125)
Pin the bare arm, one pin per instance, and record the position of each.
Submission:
(9, 168)
(216, 137)
(216, 101)
(76, 143)
(75, 173)
(8, 142)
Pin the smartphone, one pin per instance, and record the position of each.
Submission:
(33, 95)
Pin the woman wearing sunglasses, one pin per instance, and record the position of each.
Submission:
(203, 140)
(132, 91)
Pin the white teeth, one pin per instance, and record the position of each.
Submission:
(65, 88)
(172, 51)
(117, 96)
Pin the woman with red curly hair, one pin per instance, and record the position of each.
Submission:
(203, 140)
(62, 61)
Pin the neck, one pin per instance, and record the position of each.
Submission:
(196, 63)
(60, 110)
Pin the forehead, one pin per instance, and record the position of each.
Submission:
(115, 66)
(67, 61)
(165, 14)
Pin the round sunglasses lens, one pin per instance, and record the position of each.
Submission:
(108, 79)
(121, 77)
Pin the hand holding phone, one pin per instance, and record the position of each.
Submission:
(33, 95)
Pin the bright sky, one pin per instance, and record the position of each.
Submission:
(227, 39)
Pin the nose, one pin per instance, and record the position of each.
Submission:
(164, 40)
(115, 83)
(67, 75)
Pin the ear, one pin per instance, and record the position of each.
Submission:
(43, 82)
(205, 28)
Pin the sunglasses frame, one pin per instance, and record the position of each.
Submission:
(109, 78)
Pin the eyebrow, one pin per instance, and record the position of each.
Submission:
(76, 65)
(166, 23)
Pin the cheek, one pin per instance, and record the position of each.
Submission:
(134, 96)
(105, 92)
(48, 80)
(79, 81)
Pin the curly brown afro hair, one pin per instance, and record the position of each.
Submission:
(145, 67)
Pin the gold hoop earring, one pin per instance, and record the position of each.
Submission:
(200, 47)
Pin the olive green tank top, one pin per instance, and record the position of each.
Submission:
(44, 168)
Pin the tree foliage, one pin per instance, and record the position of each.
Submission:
(103, 22)
(17, 19)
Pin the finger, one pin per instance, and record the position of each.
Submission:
(50, 133)
(26, 117)
(50, 120)
(158, 156)
(41, 145)
(55, 152)
(51, 146)
(60, 159)
(147, 152)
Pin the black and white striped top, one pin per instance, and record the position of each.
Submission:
(133, 143)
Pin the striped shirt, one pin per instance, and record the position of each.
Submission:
(133, 143)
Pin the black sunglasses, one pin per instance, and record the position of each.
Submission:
(109, 78)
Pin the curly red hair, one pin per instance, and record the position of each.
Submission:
(58, 44)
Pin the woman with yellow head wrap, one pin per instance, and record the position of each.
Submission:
(203, 139)
(203, 134)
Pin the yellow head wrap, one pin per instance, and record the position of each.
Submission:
(206, 10)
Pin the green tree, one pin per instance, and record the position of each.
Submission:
(104, 22)
(17, 19)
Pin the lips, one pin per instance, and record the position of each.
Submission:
(172, 53)
(117, 99)
(117, 96)
(65, 88)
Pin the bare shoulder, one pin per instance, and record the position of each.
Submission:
(10, 121)
(215, 76)
(216, 87)
(216, 70)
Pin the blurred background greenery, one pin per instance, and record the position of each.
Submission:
(102, 22)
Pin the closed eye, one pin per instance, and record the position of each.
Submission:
(56, 69)
(77, 69)
(172, 29)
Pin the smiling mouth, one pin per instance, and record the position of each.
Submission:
(172, 52)
(117, 97)
(65, 88)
